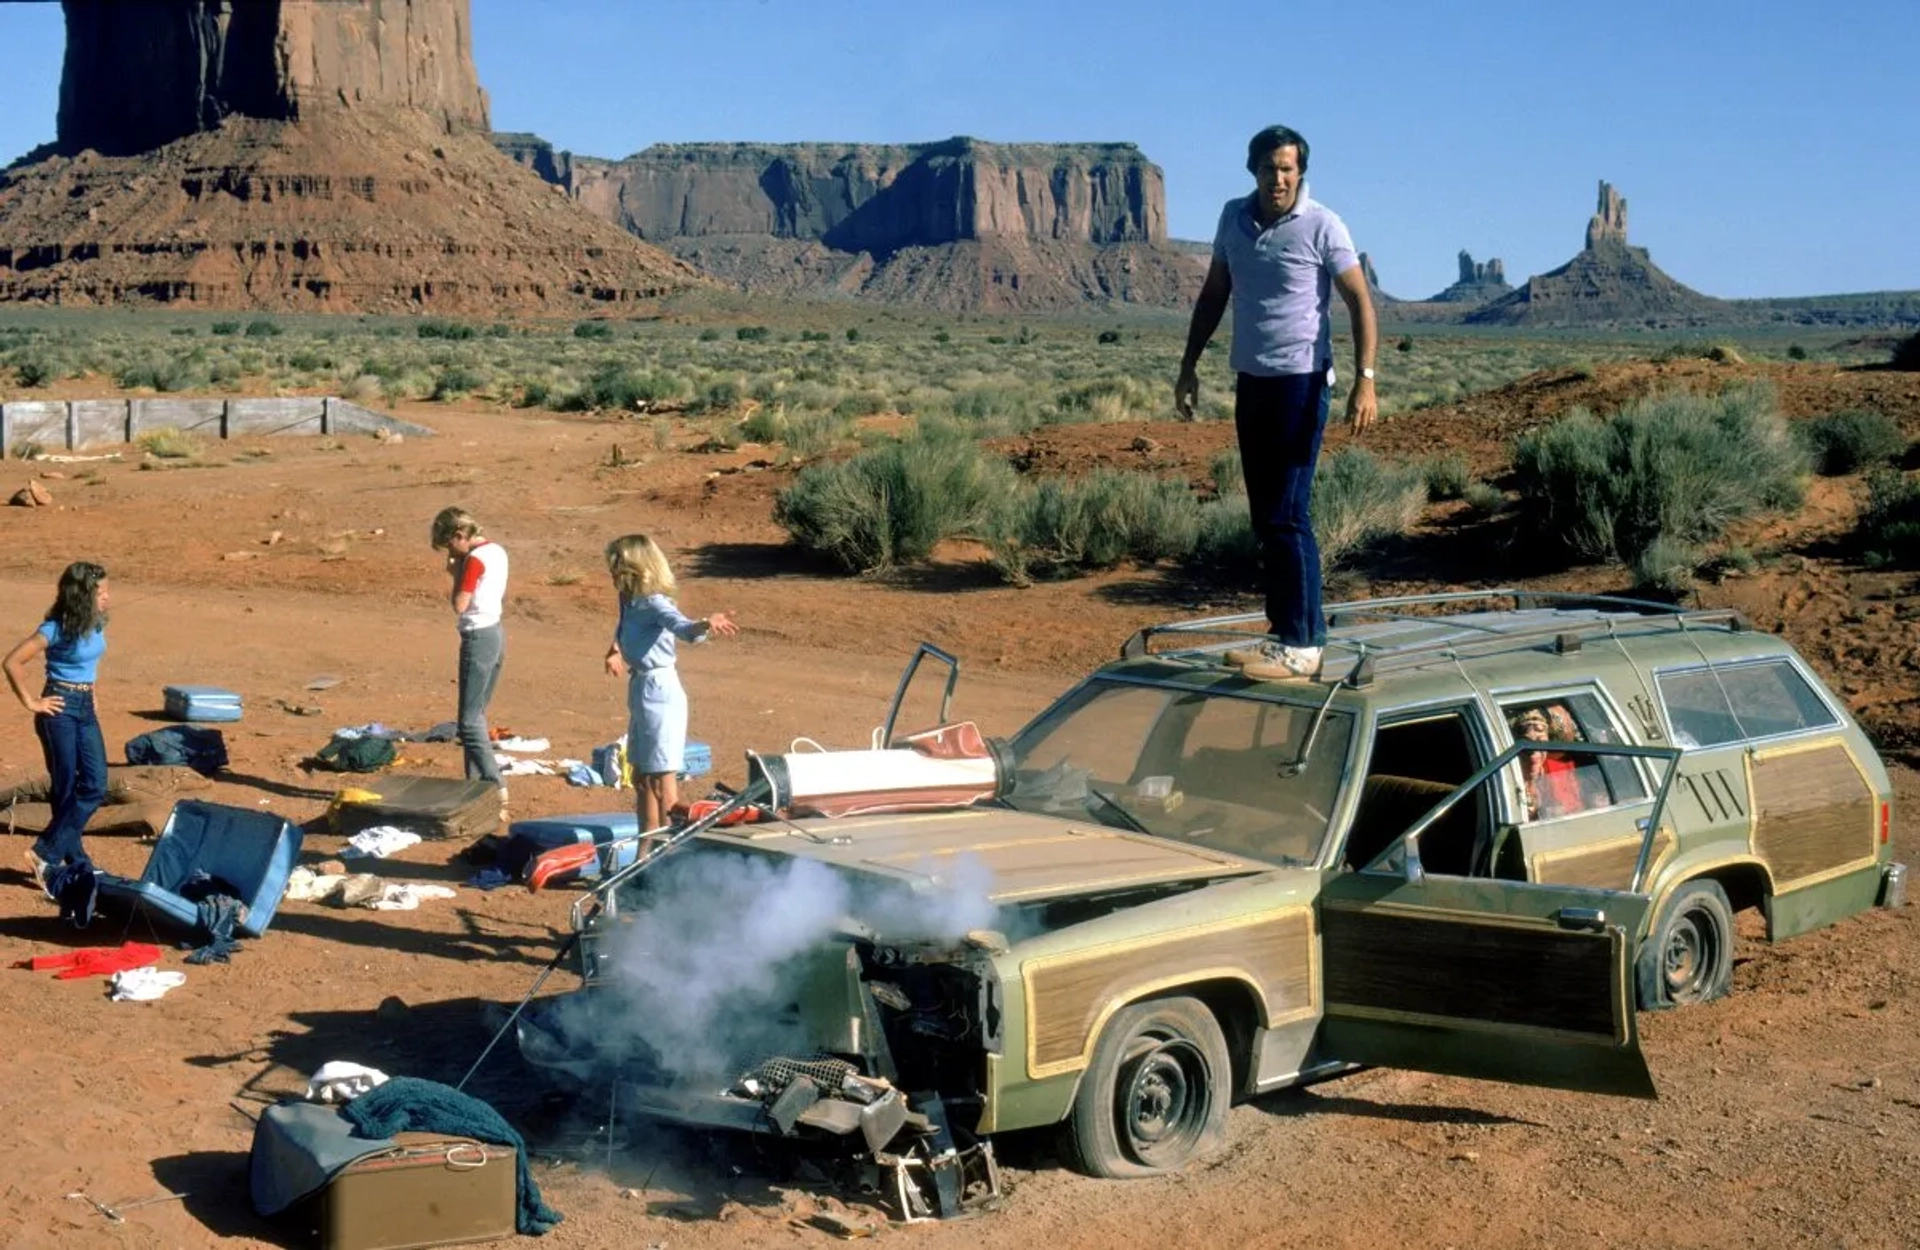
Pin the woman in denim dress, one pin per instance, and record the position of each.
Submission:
(643, 650)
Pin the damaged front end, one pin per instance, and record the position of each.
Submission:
(873, 1048)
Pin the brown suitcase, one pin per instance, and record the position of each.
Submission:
(431, 1190)
(433, 807)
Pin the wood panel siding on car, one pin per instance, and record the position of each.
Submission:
(1607, 865)
(1813, 812)
(1474, 971)
(1069, 997)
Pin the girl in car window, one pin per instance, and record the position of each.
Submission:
(1553, 782)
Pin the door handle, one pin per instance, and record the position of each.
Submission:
(1584, 919)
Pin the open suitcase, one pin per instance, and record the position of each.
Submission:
(201, 703)
(433, 807)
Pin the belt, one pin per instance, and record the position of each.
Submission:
(70, 685)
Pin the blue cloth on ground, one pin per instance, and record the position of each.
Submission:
(76, 887)
(219, 915)
(407, 1103)
(489, 879)
(202, 750)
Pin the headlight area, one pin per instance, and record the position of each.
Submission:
(874, 1048)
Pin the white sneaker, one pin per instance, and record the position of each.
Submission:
(1284, 662)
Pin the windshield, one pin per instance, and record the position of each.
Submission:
(1200, 767)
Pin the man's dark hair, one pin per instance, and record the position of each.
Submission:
(1272, 139)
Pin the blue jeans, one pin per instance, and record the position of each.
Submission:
(77, 767)
(482, 651)
(1280, 421)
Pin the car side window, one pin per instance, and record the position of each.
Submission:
(1556, 784)
(1770, 697)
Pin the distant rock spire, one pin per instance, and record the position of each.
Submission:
(1609, 221)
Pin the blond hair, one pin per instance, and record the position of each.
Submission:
(453, 523)
(639, 567)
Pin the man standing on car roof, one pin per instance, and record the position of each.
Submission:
(1279, 254)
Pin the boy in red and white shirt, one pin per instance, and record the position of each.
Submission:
(478, 567)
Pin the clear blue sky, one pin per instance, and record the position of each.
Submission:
(1764, 147)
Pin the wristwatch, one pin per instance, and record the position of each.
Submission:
(1367, 374)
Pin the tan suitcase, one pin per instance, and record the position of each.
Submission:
(430, 1190)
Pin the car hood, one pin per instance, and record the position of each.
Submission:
(1026, 856)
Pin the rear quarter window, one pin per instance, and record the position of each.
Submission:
(1739, 702)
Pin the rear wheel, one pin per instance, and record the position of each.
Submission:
(1155, 1096)
(1688, 956)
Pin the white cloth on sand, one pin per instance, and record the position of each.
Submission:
(378, 842)
(338, 1080)
(141, 985)
(408, 896)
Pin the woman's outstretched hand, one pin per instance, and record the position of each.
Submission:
(722, 624)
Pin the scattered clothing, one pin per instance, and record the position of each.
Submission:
(583, 775)
(408, 1103)
(489, 879)
(408, 896)
(337, 1080)
(521, 745)
(93, 961)
(445, 731)
(76, 887)
(141, 985)
(513, 767)
(364, 753)
(378, 842)
(201, 749)
(307, 886)
(219, 916)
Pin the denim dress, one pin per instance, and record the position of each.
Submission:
(648, 634)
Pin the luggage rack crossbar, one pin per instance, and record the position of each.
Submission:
(1368, 658)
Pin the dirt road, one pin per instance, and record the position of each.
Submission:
(1789, 1115)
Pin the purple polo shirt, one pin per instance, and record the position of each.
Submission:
(1282, 280)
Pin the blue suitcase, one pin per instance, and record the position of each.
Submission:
(698, 760)
(202, 703)
(526, 839)
(252, 851)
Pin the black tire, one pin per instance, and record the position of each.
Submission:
(1688, 955)
(1155, 1096)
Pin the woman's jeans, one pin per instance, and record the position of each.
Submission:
(1280, 421)
(481, 653)
(77, 769)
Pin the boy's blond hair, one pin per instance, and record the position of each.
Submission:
(453, 523)
(639, 567)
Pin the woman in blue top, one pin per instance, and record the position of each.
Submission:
(72, 638)
(643, 651)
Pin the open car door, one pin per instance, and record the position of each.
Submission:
(1472, 976)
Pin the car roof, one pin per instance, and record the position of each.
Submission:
(1406, 649)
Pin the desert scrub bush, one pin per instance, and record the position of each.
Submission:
(805, 432)
(456, 380)
(261, 328)
(1358, 499)
(435, 328)
(361, 389)
(1484, 497)
(1448, 475)
(1664, 567)
(1679, 467)
(752, 334)
(1117, 398)
(169, 443)
(225, 328)
(1846, 442)
(35, 371)
(889, 505)
(1229, 478)
(625, 387)
(1062, 526)
(997, 408)
(1889, 527)
(596, 330)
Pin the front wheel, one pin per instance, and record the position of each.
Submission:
(1688, 956)
(1155, 1096)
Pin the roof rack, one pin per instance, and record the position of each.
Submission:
(1367, 657)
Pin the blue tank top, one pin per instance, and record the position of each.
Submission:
(73, 659)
